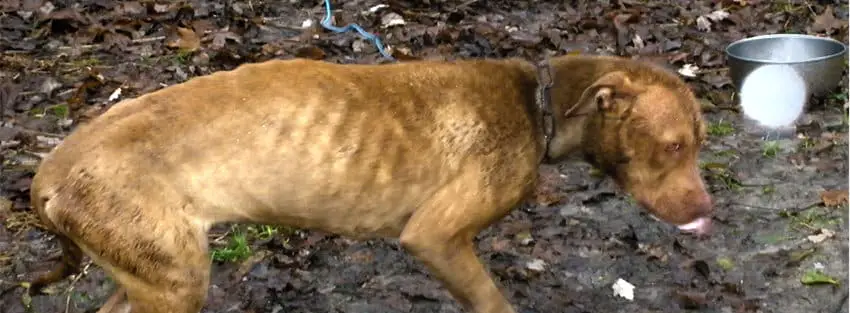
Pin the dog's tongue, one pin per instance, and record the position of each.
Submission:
(700, 226)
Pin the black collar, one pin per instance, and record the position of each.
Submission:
(543, 99)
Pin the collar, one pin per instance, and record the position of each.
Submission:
(543, 100)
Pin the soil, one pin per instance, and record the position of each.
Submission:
(780, 241)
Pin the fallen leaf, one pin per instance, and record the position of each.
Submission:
(621, 25)
(161, 8)
(703, 24)
(524, 238)
(220, 39)
(691, 300)
(816, 277)
(725, 263)
(186, 40)
(310, 52)
(718, 15)
(392, 19)
(833, 198)
(826, 22)
(823, 235)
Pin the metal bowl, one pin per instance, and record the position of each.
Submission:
(819, 61)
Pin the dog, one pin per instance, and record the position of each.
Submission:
(429, 152)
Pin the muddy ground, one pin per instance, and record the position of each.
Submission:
(780, 244)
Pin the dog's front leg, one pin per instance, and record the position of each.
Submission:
(440, 234)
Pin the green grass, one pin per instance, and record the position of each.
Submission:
(839, 96)
(768, 189)
(725, 153)
(770, 149)
(724, 176)
(720, 129)
(58, 110)
(239, 243)
(805, 144)
(182, 56)
(815, 219)
(236, 250)
(85, 62)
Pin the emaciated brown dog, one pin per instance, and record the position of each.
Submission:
(428, 152)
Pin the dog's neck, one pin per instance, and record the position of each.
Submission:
(543, 103)
(559, 112)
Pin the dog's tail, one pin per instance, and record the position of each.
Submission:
(72, 255)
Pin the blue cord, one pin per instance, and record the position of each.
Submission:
(326, 23)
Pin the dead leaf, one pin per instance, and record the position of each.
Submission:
(186, 39)
(691, 300)
(718, 15)
(161, 8)
(392, 19)
(833, 198)
(823, 235)
(621, 22)
(500, 244)
(703, 24)
(310, 52)
(220, 39)
(404, 54)
(826, 22)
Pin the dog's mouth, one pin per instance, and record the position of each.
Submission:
(700, 226)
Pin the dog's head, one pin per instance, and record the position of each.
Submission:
(645, 129)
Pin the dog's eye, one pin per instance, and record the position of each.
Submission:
(673, 147)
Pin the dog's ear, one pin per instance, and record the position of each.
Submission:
(608, 88)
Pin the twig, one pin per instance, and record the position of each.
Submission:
(135, 41)
(466, 4)
(792, 211)
(74, 282)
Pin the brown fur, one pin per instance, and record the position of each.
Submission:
(428, 152)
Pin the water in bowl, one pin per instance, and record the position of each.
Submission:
(772, 98)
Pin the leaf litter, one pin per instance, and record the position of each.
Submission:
(64, 63)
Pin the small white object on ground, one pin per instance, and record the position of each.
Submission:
(717, 15)
(378, 7)
(536, 265)
(115, 94)
(307, 23)
(773, 95)
(624, 289)
(703, 24)
(392, 19)
(689, 70)
(824, 235)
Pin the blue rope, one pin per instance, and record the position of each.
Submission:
(326, 23)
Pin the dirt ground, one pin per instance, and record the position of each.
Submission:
(780, 244)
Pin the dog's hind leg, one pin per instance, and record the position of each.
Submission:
(441, 233)
(157, 256)
(169, 273)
